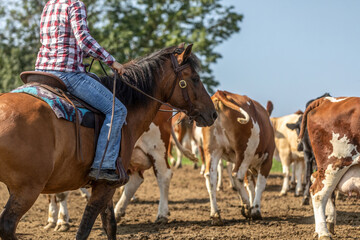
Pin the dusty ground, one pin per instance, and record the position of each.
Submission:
(284, 218)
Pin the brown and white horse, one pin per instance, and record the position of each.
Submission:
(38, 150)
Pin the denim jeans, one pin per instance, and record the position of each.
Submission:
(94, 93)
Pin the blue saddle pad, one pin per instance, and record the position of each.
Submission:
(60, 106)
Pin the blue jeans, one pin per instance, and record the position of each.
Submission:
(98, 96)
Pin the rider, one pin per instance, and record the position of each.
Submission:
(65, 40)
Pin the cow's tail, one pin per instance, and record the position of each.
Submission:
(185, 151)
(310, 107)
(269, 107)
(221, 96)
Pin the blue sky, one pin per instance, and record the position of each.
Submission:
(292, 51)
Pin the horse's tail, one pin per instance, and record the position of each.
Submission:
(185, 151)
(310, 107)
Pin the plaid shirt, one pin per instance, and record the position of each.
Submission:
(65, 38)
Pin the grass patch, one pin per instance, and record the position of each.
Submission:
(276, 167)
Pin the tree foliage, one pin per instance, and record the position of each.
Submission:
(126, 28)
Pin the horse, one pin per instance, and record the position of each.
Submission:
(38, 151)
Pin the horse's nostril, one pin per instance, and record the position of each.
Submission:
(215, 115)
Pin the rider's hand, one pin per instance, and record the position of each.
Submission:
(118, 67)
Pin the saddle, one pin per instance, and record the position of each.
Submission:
(55, 85)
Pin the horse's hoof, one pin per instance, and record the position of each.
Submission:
(216, 220)
(218, 189)
(256, 215)
(49, 226)
(331, 227)
(246, 211)
(305, 201)
(161, 220)
(62, 228)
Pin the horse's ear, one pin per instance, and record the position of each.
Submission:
(181, 45)
(185, 54)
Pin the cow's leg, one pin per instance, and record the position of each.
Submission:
(194, 150)
(135, 180)
(229, 168)
(211, 179)
(309, 168)
(108, 220)
(292, 178)
(19, 202)
(163, 178)
(330, 212)
(101, 195)
(285, 161)
(249, 184)
(202, 157)
(260, 187)
(325, 184)
(62, 224)
(53, 212)
(299, 169)
(220, 168)
(85, 193)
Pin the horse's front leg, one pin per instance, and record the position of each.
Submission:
(101, 196)
(108, 220)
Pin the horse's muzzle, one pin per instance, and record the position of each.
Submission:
(204, 119)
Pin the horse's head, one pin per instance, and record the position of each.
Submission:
(185, 89)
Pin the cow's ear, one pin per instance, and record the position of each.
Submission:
(185, 54)
(291, 126)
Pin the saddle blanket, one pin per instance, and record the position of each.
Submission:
(61, 107)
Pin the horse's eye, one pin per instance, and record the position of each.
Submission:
(196, 79)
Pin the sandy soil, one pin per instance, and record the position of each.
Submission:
(283, 217)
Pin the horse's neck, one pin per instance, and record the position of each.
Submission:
(139, 119)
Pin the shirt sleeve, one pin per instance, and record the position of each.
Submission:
(77, 16)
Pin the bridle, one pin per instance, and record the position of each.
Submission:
(178, 76)
(182, 83)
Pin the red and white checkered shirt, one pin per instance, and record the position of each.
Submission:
(65, 38)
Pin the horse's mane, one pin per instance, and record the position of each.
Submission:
(142, 72)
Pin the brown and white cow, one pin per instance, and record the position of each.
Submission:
(286, 142)
(151, 151)
(333, 125)
(243, 135)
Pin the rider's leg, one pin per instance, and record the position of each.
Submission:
(94, 93)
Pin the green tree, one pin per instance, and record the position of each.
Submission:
(126, 28)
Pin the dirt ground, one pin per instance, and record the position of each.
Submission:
(283, 217)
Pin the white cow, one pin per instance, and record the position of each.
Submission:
(286, 152)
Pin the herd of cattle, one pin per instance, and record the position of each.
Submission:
(247, 138)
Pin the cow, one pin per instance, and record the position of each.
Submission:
(333, 128)
(58, 216)
(286, 151)
(151, 151)
(243, 135)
